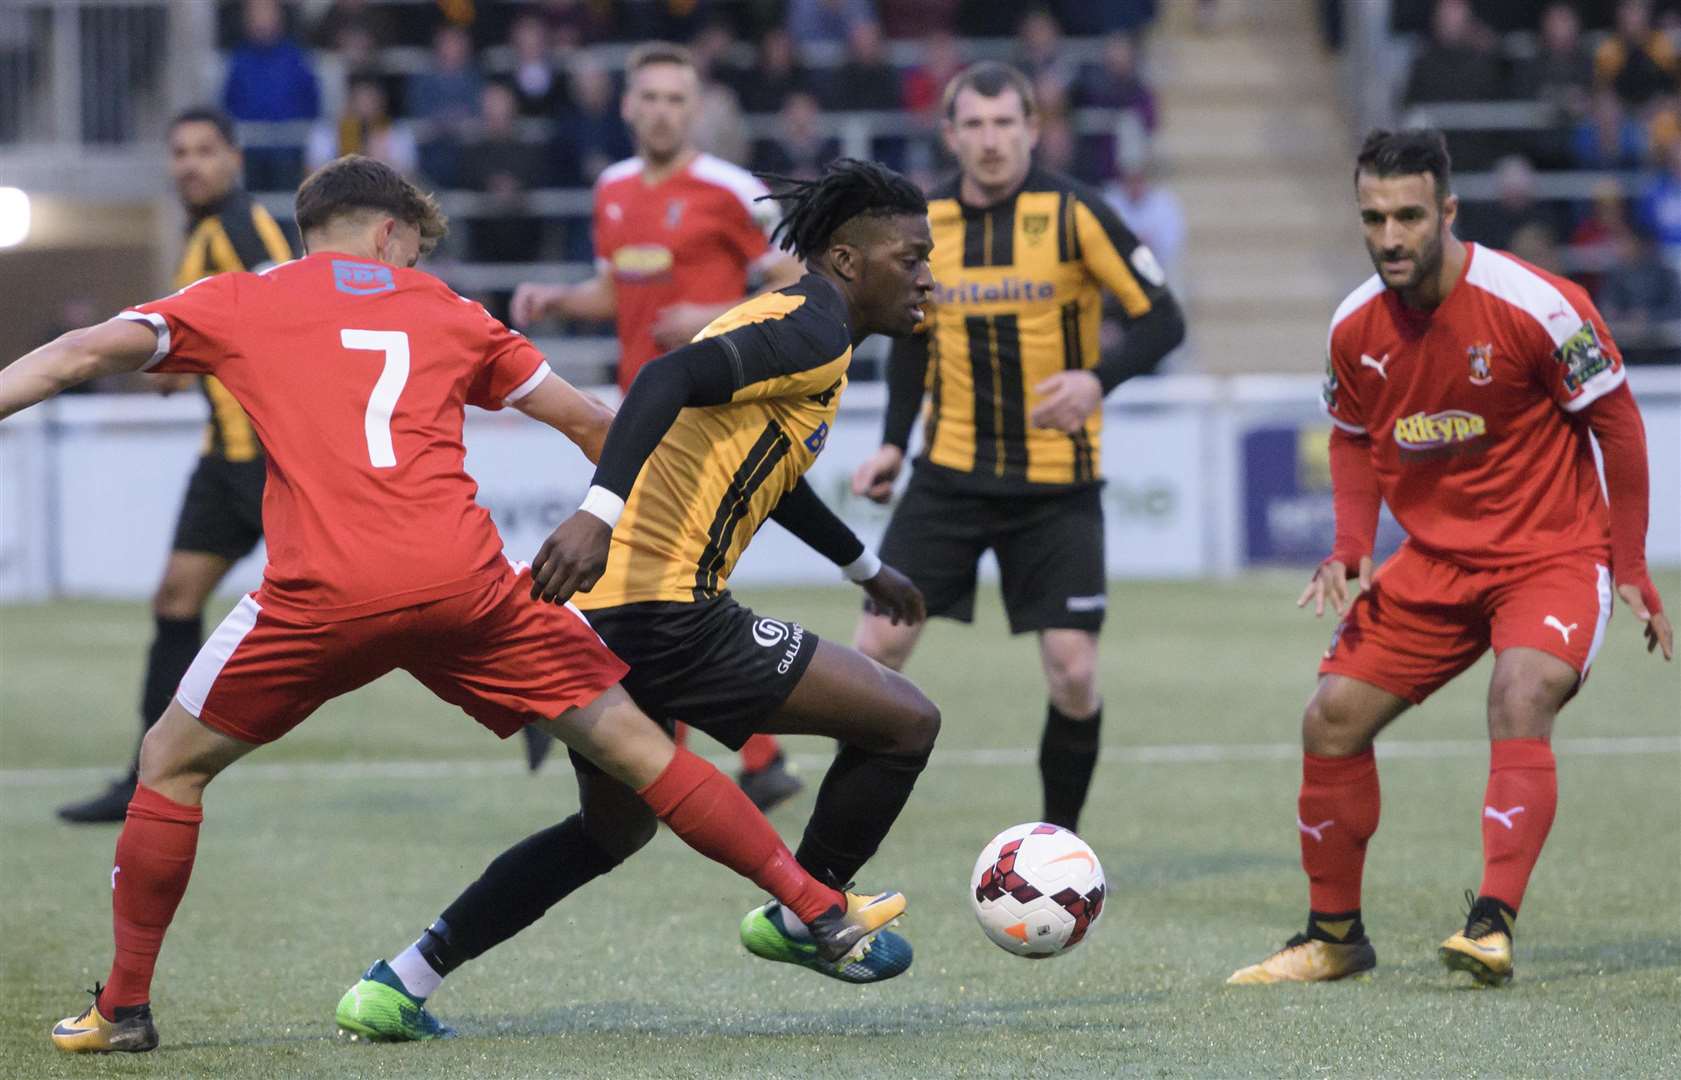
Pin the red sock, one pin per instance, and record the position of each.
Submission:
(758, 752)
(154, 861)
(1336, 814)
(712, 816)
(1517, 814)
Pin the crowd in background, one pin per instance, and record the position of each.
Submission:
(1606, 81)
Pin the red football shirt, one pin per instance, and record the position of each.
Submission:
(355, 375)
(691, 238)
(1469, 409)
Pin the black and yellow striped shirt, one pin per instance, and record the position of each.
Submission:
(237, 235)
(721, 470)
(1018, 296)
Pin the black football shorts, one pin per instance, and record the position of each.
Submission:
(223, 511)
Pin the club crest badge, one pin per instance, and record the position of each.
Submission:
(1481, 357)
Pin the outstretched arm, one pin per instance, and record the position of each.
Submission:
(581, 417)
(1355, 496)
(809, 518)
(1615, 421)
(110, 348)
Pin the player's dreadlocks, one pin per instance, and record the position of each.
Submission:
(848, 188)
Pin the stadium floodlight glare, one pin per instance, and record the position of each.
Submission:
(14, 216)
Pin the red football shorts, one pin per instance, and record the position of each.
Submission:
(504, 658)
(1424, 621)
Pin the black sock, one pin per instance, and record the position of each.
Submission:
(1067, 757)
(1493, 914)
(860, 798)
(513, 892)
(175, 643)
(1337, 927)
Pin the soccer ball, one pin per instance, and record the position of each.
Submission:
(1037, 890)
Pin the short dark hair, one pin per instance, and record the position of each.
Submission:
(208, 114)
(356, 183)
(849, 188)
(989, 78)
(657, 52)
(1406, 153)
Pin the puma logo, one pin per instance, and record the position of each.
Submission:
(1564, 631)
(1379, 366)
(1315, 831)
(1504, 818)
(115, 870)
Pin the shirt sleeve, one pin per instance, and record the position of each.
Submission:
(785, 356)
(194, 326)
(1113, 255)
(1337, 394)
(512, 368)
(747, 234)
(1585, 364)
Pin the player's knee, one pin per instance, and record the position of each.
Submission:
(1071, 682)
(1524, 708)
(921, 727)
(622, 835)
(1330, 729)
(168, 770)
(177, 599)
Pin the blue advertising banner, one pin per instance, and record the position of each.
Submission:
(1287, 512)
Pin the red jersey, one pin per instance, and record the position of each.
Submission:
(355, 375)
(691, 238)
(1469, 409)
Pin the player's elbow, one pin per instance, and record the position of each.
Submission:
(1169, 329)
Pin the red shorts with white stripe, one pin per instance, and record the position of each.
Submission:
(1424, 620)
(504, 658)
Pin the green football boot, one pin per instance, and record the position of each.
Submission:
(879, 955)
(380, 1009)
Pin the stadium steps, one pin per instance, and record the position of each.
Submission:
(1258, 149)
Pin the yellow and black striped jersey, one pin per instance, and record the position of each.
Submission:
(1018, 296)
(721, 469)
(237, 235)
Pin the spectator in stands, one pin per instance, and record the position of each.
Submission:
(1114, 82)
(538, 88)
(1087, 18)
(718, 127)
(270, 79)
(778, 74)
(1659, 210)
(1153, 213)
(1597, 238)
(1042, 55)
(592, 134)
(1457, 63)
(1516, 207)
(800, 149)
(444, 99)
(572, 23)
(502, 166)
(864, 80)
(918, 18)
(378, 21)
(827, 21)
(1638, 61)
(923, 85)
(357, 49)
(1537, 244)
(1608, 137)
(1641, 290)
(1561, 74)
(365, 127)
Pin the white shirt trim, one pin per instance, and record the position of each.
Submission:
(1596, 388)
(630, 166)
(1498, 274)
(733, 178)
(1353, 302)
(157, 323)
(537, 378)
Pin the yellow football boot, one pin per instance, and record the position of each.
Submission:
(1305, 959)
(91, 1033)
(1484, 948)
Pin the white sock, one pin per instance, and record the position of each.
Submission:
(418, 977)
(790, 923)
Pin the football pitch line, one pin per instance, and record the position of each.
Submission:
(1168, 754)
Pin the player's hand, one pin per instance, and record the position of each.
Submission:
(571, 559)
(1330, 582)
(533, 301)
(1070, 397)
(677, 324)
(892, 594)
(874, 478)
(1659, 633)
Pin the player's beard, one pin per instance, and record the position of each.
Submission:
(1427, 263)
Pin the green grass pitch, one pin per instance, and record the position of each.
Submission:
(339, 844)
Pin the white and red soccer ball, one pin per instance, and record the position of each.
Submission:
(1037, 889)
